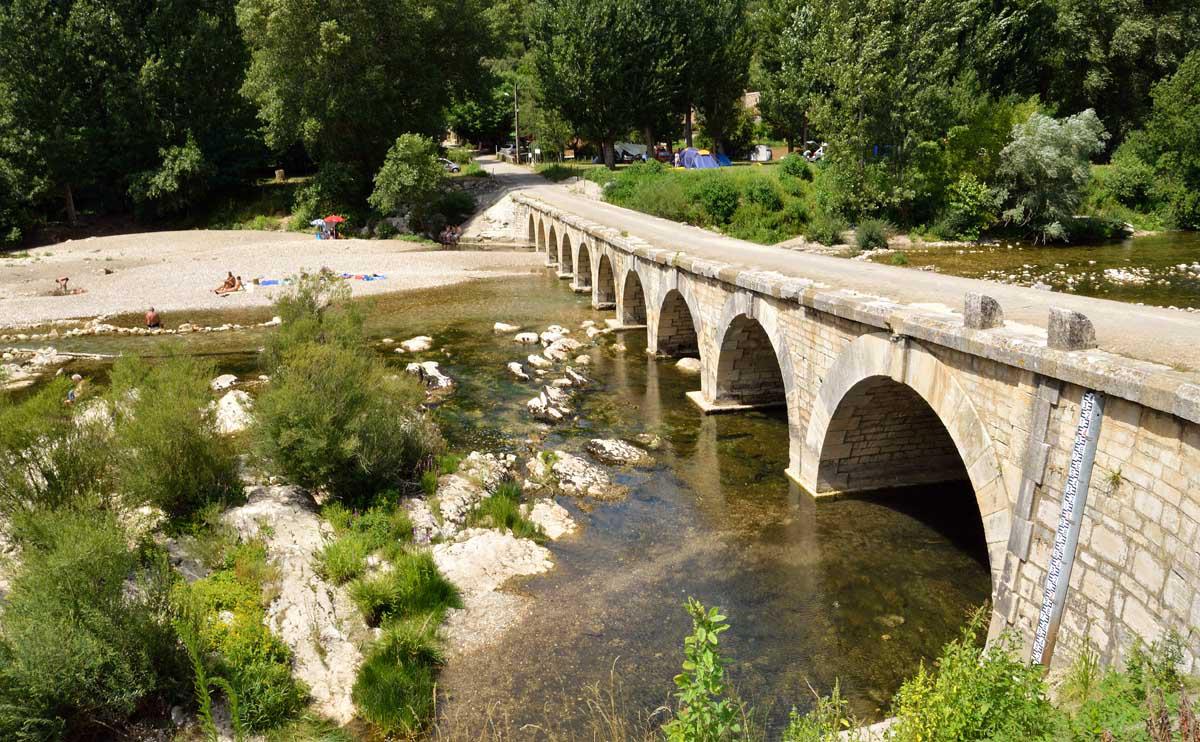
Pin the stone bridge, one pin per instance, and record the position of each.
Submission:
(883, 394)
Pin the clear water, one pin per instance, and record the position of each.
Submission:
(1159, 270)
(815, 593)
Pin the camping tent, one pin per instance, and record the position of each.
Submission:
(699, 159)
(633, 151)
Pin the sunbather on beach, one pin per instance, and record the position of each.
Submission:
(230, 285)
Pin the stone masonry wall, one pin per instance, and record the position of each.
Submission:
(676, 331)
(748, 372)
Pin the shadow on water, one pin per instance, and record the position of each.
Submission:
(856, 591)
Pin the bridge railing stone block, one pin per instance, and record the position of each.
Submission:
(1069, 330)
(982, 312)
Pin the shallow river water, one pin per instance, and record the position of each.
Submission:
(854, 591)
(1160, 270)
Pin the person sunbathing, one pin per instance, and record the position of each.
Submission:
(229, 286)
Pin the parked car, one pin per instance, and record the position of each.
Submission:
(663, 154)
(451, 167)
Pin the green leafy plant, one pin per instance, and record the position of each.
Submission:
(762, 192)
(899, 258)
(794, 166)
(826, 229)
(705, 710)
(972, 208)
(314, 308)
(411, 175)
(717, 197)
(826, 722)
(380, 529)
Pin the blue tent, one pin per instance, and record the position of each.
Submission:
(693, 158)
(722, 160)
(705, 161)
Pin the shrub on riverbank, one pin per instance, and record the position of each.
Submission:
(338, 420)
(315, 308)
(85, 637)
(167, 449)
(872, 234)
(48, 459)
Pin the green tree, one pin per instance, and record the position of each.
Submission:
(344, 78)
(410, 176)
(787, 79)
(717, 42)
(603, 64)
(1046, 167)
(1172, 138)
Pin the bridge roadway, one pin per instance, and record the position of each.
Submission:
(1165, 336)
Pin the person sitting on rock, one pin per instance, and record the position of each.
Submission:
(153, 321)
(229, 285)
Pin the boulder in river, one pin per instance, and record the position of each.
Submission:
(552, 518)
(429, 373)
(571, 475)
(560, 349)
(539, 361)
(417, 344)
(233, 412)
(613, 451)
(688, 365)
(526, 338)
(518, 370)
(505, 327)
(223, 382)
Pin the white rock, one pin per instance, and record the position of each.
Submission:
(518, 370)
(688, 365)
(429, 373)
(558, 330)
(388, 341)
(417, 344)
(223, 382)
(273, 322)
(549, 338)
(505, 327)
(553, 519)
(577, 477)
(583, 360)
(233, 412)
(526, 338)
(613, 451)
(561, 348)
(539, 361)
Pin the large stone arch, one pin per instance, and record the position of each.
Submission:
(605, 294)
(583, 267)
(675, 323)
(752, 351)
(532, 232)
(541, 234)
(876, 370)
(631, 302)
(566, 257)
(552, 240)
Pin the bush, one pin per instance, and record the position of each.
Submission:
(975, 694)
(795, 166)
(455, 206)
(315, 308)
(80, 651)
(51, 460)
(872, 234)
(971, 208)
(410, 176)
(762, 192)
(335, 186)
(502, 510)
(337, 420)
(825, 723)
(396, 685)
(1129, 180)
(827, 229)
(475, 170)
(168, 452)
(460, 155)
(412, 587)
(718, 197)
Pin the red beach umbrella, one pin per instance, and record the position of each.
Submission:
(334, 219)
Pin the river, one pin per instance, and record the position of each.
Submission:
(858, 591)
(1159, 270)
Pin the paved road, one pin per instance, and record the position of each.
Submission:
(1159, 335)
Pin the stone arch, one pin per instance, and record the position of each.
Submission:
(678, 332)
(541, 234)
(606, 284)
(552, 239)
(533, 233)
(632, 301)
(583, 267)
(748, 370)
(886, 396)
(566, 256)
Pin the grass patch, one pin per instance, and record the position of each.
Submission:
(378, 529)
(475, 170)
(502, 510)
(413, 587)
(396, 685)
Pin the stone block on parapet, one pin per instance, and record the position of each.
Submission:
(982, 312)
(1069, 330)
